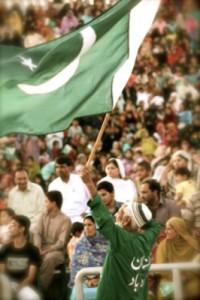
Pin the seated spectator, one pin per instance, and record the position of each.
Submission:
(162, 208)
(75, 128)
(106, 191)
(69, 22)
(143, 171)
(50, 236)
(32, 167)
(87, 15)
(20, 260)
(127, 161)
(40, 181)
(171, 133)
(185, 187)
(90, 251)
(148, 143)
(178, 246)
(26, 197)
(33, 38)
(56, 149)
(6, 216)
(116, 175)
(179, 159)
(76, 231)
(74, 193)
(80, 162)
(184, 116)
(192, 215)
(158, 164)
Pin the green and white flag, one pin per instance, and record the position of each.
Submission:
(43, 88)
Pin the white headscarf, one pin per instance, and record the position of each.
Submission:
(120, 166)
(186, 156)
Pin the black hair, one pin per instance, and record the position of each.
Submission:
(144, 164)
(153, 185)
(55, 196)
(64, 160)
(183, 171)
(105, 185)
(10, 212)
(21, 169)
(113, 161)
(24, 222)
(90, 217)
(77, 226)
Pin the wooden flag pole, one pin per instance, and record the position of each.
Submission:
(103, 126)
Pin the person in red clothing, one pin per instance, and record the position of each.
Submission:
(175, 54)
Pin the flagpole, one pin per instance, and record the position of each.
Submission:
(93, 152)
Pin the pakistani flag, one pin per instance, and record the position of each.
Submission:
(43, 88)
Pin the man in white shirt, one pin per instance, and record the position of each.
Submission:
(74, 192)
(26, 198)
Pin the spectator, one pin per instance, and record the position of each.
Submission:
(185, 187)
(20, 260)
(162, 209)
(32, 167)
(40, 181)
(50, 236)
(6, 216)
(116, 176)
(56, 149)
(106, 191)
(179, 159)
(33, 38)
(179, 246)
(75, 128)
(80, 162)
(74, 193)
(76, 231)
(192, 215)
(158, 164)
(90, 251)
(184, 116)
(69, 22)
(148, 143)
(87, 15)
(143, 171)
(26, 197)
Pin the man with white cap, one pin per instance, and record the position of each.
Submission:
(126, 266)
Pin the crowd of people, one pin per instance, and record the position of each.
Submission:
(149, 154)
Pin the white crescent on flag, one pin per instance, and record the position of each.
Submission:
(61, 78)
(143, 15)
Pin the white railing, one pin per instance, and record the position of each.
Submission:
(175, 268)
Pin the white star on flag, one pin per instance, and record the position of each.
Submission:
(28, 62)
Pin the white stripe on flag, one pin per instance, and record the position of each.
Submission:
(141, 18)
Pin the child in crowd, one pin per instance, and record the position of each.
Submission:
(76, 231)
(185, 187)
(6, 216)
(143, 171)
